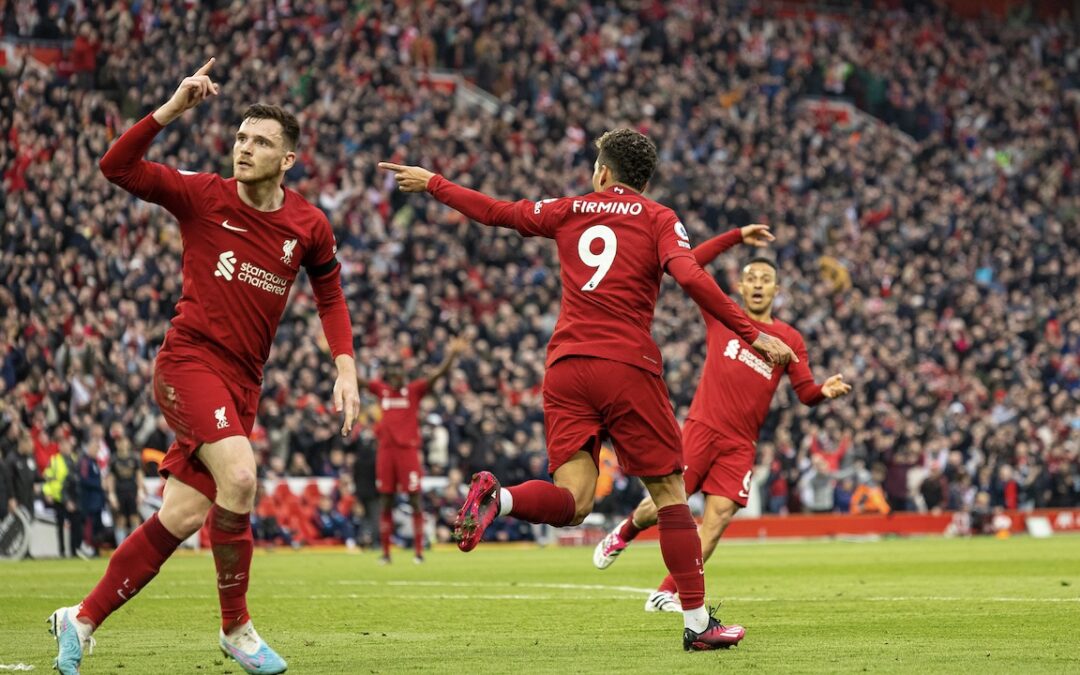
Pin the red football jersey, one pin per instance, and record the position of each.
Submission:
(737, 385)
(613, 246)
(239, 263)
(399, 428)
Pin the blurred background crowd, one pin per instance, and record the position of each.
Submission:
(928, 244)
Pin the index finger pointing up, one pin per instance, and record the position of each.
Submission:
(205, 67)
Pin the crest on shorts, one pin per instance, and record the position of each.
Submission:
(222, 421)
(287, 248)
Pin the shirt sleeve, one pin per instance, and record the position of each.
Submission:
(321, 255)
(532, 219)
(418, 388)
(376, 387)
(324, 272)
(800, 374)
(711, 249)
(704, 291)
(672, 240)
(124, 166)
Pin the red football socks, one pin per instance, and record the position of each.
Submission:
(538, 501)
(681, 548)
(418, 531)
(232, 544)
(629, 530)
(668, 585)
(131, 568)
(386, 529)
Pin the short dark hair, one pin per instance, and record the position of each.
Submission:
(765, 261)
(630, 155)
(290, 127)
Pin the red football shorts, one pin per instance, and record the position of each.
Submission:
(589, 399)
(201, 406)
(715, 464)
(397, 470)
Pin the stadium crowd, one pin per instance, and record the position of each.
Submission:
(931, 253)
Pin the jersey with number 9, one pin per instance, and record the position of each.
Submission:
(613, 246)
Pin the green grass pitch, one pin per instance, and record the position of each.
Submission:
(913, 606)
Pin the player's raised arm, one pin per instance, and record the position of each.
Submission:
(123, 164)
(457, 345)
(524, 216)
(752, 235)
(704, 291)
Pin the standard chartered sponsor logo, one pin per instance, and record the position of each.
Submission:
(732, 349)
(735, 352)
(226, 265)
(260, 278)
(253, 275)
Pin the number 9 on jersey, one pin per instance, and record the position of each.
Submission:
(601, 261)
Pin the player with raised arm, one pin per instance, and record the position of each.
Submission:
(729, 407)
(603, 375)
(398, 465)
(245, 240)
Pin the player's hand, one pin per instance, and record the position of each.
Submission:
(774, 350)
(757, 235)
(835, 387)
(458, 345)
(347, 400)
(409, 178)
(191, 92)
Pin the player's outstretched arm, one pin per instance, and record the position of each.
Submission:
(123, 164)
(802, 379)
(523, 215)
(704, 291)
(457, 345)
(752, 235)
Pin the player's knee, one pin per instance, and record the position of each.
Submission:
(241, 483)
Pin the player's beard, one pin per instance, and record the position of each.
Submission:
(254, 175)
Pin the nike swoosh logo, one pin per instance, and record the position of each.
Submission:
(224, 586)
(227, 226)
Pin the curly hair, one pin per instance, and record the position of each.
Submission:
(630, 155)
(290, 127)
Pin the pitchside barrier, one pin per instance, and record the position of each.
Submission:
(16, 530)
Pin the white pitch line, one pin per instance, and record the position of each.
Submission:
(473, 584)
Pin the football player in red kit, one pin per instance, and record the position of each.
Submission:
(245, 240)
(398, 464)
(729, 407)
(603, 376)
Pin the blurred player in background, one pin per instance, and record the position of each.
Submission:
(730, 405)
(125, 488)
(603, 374)
(398, 460)
(245, 240)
